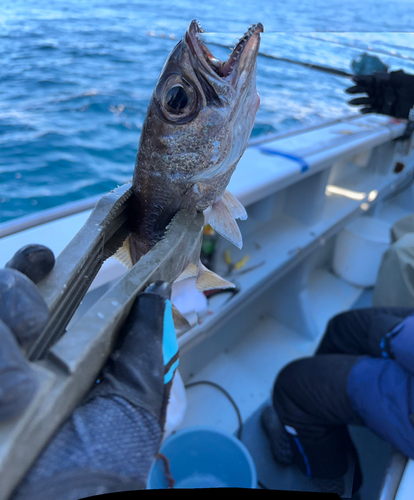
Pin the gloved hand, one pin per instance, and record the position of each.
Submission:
(23, 314)
(388, 93)
(111, 440)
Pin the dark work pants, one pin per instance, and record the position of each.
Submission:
(310, 394)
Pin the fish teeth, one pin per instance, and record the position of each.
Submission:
(200, 28)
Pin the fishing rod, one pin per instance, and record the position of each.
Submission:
(318, 67)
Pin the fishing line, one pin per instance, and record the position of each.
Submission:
(318, 67)
(392, 45)
(379, 51)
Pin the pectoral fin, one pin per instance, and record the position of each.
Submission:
(123, 255)
(222, 221)
(236, 209)
(207, 280)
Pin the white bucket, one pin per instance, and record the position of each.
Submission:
(358, 250)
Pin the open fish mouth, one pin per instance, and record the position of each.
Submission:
(247, 43)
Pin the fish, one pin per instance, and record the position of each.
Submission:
(196, 129)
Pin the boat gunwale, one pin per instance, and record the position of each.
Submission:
(25, 222)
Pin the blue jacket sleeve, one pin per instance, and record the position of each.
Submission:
(401, 344)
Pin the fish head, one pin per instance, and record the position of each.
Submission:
(201, 114)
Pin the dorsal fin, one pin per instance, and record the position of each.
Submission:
(207, 280)
(123, 255)
(236, 209)
(222, 221)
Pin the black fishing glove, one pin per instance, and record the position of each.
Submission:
(388, 93)
(111, 440)
(23, 315)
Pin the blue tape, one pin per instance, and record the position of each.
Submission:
(169, 340)
(305, 458)
(169, 375)
(382, 346)
(390, 335)
(303, 165)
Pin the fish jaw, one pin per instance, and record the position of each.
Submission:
(241, 62)
(208, 136)
(235, 83)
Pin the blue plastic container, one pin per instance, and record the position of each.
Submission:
(204, 457)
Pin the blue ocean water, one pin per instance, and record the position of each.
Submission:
(77, 76)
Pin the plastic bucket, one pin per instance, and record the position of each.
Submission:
(359, 249)
(204, 457)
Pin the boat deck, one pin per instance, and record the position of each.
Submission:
(373, 452)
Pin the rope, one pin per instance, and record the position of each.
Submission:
(221, 389)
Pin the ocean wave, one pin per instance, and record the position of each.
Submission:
(77, 79)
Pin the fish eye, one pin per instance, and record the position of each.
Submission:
(176, 99)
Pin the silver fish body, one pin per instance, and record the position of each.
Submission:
(198, 123)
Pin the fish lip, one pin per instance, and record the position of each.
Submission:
(249, 43)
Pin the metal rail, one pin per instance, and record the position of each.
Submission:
(28, 221)
(49, 215)
(393, 475)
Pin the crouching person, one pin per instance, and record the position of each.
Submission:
(362, 374)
